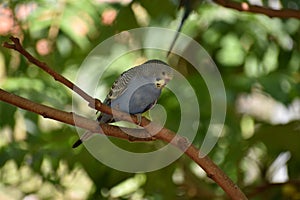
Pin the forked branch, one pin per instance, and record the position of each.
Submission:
(245, 7)
(212, 170)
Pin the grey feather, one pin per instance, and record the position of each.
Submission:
(135, 90)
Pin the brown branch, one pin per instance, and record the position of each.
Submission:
(212, 170)
(245, 7)
(94, 103)
(74, 119)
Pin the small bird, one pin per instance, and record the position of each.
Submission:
(135, 91)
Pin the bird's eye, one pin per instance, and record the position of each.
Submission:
(163, 73)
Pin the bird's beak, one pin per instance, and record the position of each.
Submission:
(161, 83)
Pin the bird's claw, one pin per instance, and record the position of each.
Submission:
(139, 119)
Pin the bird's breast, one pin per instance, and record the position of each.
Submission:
(137, 98)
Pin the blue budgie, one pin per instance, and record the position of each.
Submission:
(135, 91)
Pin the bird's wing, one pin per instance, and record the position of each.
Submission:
(116, 90)
(120, 85)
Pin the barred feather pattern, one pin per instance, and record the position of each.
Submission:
(151, 68)
(135, 91)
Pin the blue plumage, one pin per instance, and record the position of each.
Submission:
(135, 91)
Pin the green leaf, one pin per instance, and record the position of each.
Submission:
(279, 138)
(8, 113)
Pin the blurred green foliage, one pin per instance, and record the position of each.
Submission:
(258, 57)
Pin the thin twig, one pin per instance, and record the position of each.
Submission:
(94, 103)
(245, 7)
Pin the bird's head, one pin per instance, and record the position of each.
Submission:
(162, 79)
(160, 72)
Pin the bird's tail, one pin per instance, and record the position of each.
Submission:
(84, 137)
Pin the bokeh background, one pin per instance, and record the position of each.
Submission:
(259, 60)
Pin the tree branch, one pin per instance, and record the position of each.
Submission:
(92, 102)
(245, 7)
(74, 119)
(212, 170)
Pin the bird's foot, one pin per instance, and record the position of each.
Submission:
(139, 119)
